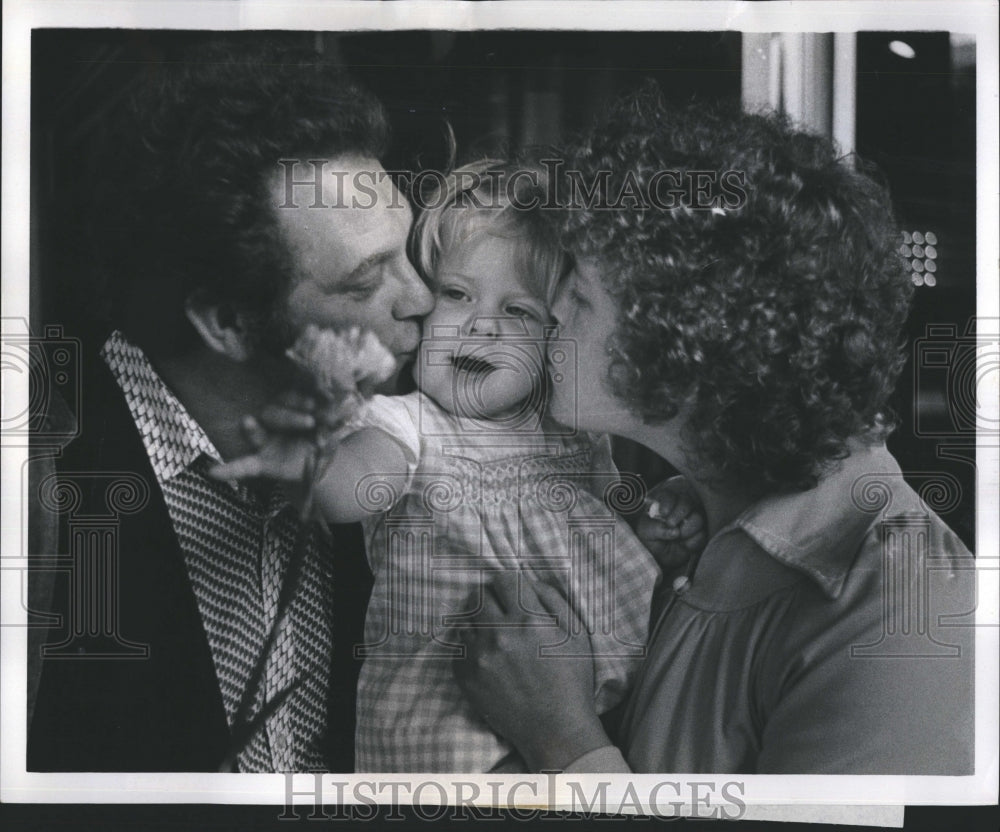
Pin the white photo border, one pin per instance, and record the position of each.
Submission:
(21, 16)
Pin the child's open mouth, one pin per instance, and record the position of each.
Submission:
(471, 364)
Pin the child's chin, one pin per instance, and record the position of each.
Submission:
(493, 398)
(558, 413)
(502, 404)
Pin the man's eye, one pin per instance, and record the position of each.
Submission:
(362, 290)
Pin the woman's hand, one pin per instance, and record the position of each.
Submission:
(542, 704)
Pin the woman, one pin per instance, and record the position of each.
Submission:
(739, 312)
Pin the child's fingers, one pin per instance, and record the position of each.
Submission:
(694, 522)
(254, 432)
(676, 511)
(648, 529)
(246, 467)
(277, 417)
(333, 415)
(696, 542)
(296, 400)
(661, 508)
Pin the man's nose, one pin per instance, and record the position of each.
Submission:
(413, 298)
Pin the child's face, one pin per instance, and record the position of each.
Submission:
(483, 353)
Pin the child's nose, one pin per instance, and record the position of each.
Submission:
(485, 326)
(496, 326)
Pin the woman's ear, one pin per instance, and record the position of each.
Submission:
(221, 326)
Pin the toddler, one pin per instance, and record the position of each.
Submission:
(467, 476)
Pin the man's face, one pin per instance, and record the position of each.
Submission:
(350, 252)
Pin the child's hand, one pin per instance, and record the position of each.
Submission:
(284, 441)
(277, 456)
(673, 527)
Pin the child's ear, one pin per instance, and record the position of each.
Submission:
(222, 326)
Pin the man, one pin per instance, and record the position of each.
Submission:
(219, 255)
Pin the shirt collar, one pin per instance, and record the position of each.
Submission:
(817, 532)
(171, 436)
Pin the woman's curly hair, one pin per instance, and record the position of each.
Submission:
(774, 316)
(186, 201)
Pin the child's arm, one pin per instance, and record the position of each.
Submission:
(369, 452)
(285, 454)
(673, 527)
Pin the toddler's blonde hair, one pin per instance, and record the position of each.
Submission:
(506, 199)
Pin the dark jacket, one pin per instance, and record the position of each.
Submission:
(136, 689)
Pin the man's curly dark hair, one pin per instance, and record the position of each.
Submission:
(186, 203)
(775, 319)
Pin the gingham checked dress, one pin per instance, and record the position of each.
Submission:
(475, 501)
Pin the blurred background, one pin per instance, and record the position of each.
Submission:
(904, 100)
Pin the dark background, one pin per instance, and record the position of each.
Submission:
(500, 89)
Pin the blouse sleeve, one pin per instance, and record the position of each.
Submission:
(853, 699)
(394, 416)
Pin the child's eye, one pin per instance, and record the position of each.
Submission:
(518, 311)
(454, 294)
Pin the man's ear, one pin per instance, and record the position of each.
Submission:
(221, 326)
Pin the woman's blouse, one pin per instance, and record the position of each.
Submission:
(827, 631)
